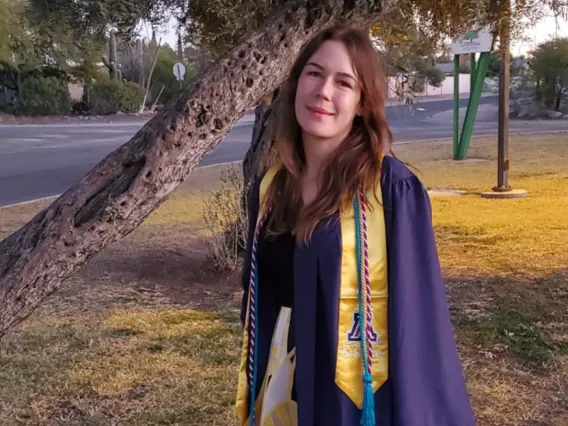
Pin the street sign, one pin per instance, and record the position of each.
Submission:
(179, 71)
(475, 41)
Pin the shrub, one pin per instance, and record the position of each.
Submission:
(131, 97)
(225, 218)
(112, 96)
(163, 77)
(44, 96)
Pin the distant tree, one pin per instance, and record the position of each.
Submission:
(68, 34)
(494, 66)
(164, 84)
(65, 35)
(12, 31)
(550, 64)
(407, 49)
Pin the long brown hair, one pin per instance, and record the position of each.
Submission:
(355, 165)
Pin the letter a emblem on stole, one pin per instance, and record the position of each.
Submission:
(355, 333)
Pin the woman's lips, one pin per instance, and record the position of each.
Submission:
(319, 112)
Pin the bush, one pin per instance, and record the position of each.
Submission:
(44, 96)
(112, 96)
(131, 97)
(164, 77)
(226, 220)
(434, 76)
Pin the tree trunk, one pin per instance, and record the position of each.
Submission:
(257, 160)
(260, 155)
(124, 188)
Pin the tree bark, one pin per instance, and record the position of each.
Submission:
(256, 161)
(125, 187)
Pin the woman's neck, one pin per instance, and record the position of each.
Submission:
(317, 152)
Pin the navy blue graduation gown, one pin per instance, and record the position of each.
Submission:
(426, 385)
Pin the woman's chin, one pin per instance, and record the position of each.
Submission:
(317, 131)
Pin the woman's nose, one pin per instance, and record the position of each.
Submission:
(325, 89)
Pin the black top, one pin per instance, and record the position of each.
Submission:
(276, 266)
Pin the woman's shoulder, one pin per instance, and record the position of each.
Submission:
(395, 171)
(399, 182)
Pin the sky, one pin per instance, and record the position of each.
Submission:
(543, 31)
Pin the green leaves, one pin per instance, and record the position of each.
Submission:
(549, 62)
(218, 24)
(12, 34)
(44, 96)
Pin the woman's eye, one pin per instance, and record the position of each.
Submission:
(345, 84)
(314, 73)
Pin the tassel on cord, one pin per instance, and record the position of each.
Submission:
(368, 414)
(368, 411)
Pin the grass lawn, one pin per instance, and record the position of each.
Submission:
(148, 334)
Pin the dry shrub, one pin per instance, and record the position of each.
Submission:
(225, 216)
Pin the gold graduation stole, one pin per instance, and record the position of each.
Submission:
(349, 365)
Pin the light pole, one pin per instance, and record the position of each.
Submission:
(504, 99)
(503, 189)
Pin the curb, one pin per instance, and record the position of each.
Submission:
(22, 203)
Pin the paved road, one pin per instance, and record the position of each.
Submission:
(44, 160)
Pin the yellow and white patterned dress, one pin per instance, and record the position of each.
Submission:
(278, 408)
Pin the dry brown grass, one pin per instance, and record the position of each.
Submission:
(148, 334)
(143, 366)
(530, 156)
(521, 237)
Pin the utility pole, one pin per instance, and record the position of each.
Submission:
(503, 190)
(472, 71)
(478, 40)
(457, 104)
(504, 98)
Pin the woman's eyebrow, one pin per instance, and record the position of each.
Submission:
(343, 74)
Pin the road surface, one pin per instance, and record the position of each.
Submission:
(42, 160)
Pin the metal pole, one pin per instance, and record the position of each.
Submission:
(472, 71)
(456, 104)
(473, 105)
(504, 84)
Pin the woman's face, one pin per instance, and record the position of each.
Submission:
(328, 93)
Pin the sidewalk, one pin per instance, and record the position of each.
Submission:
(434, 98)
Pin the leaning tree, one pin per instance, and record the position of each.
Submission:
(125, 187)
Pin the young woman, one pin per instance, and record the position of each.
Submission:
(344, 308)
